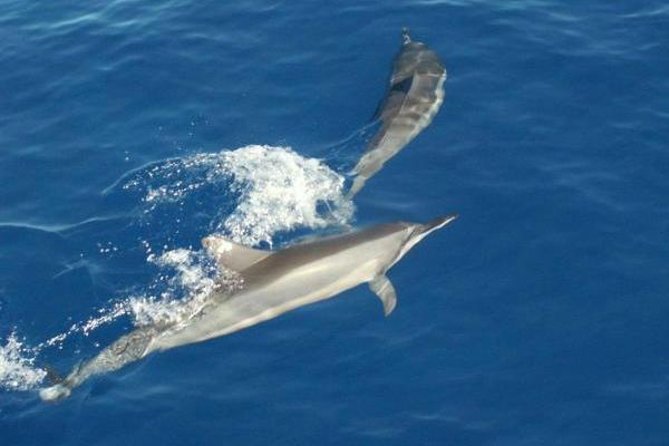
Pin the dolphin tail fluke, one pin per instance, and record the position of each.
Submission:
(128, 348)
(60, 388)
(55, 393)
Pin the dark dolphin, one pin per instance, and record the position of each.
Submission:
(415, 95)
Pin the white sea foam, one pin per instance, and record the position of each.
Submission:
(253, 192)
(17, 361)
(104, 316)
(17, 368)
(186, 291)
(280, 191)
(276, 190)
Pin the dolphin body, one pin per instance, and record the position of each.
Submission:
(274, 282)
(414, 97)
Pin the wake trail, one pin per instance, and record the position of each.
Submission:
(252, 194)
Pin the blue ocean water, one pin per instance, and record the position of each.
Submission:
(128, 131)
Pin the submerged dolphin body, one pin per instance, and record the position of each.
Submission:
(414, 96)
(274, 282)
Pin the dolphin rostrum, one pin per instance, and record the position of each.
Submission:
(414, 96)
(274, 282)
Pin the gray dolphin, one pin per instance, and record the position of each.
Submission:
(274, 282)
(414, 96)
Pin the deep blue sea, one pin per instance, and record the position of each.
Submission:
(131, 129)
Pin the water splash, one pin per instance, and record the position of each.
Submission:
(280, 191)
(17, 365)
(185, 292)
(250, 195)
(276, 190)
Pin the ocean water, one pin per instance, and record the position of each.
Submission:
(130, 130)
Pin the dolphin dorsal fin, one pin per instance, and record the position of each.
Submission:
(232, 255)
(385, 290)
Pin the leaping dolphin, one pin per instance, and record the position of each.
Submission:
(414, 96)
(274, 282)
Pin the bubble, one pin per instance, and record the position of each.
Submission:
(17, 366)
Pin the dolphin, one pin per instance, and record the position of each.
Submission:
(274, 282)
(414, 96)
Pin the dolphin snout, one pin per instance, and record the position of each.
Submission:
(439, 222)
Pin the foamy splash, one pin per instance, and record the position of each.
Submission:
(17, 366)
(252, 194)
(277, 190)
(186, 291)
(280, 191)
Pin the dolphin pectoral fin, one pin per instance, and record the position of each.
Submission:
(232, 255)
(55, 393)
(385, 290)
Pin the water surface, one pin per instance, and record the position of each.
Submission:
(129, 130)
